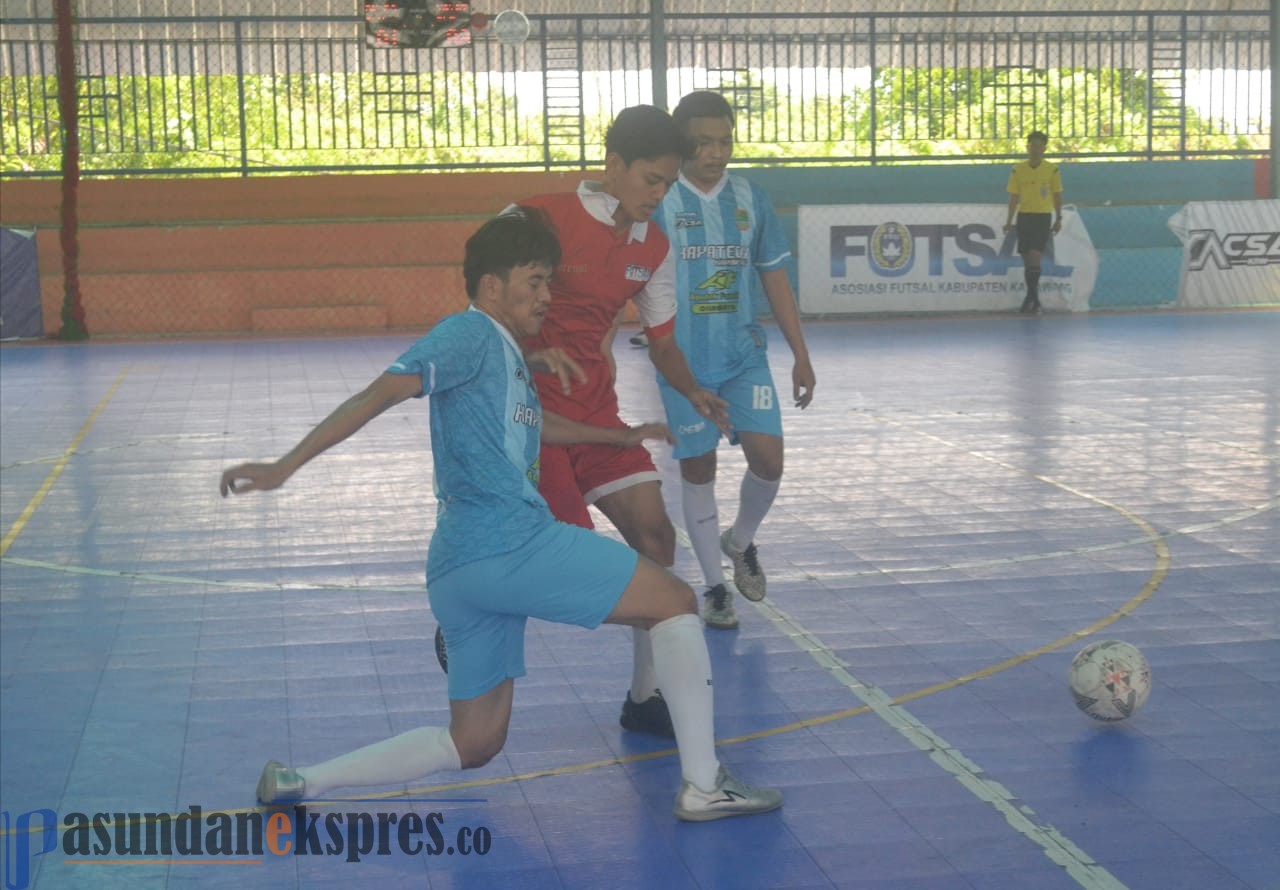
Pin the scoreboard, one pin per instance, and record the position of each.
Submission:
(417, 24)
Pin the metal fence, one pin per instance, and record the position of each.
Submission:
(252, 95)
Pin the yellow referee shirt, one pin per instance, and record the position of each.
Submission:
(1035, 186)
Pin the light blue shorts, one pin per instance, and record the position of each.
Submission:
(753, 408)
(563, 573)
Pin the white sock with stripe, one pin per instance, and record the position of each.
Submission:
(702, 522)
(644, 680)
(684, 673)
(753, 504)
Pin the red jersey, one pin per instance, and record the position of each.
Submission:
(599, 271)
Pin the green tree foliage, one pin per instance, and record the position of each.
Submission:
(946, 112)
(440, 119)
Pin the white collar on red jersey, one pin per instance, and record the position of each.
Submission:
(601, 205)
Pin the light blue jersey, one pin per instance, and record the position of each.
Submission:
(722, 241)
(485, 426)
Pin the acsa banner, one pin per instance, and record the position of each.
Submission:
(1230, 253)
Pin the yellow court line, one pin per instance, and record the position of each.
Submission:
(38, 498)
(1154, 580)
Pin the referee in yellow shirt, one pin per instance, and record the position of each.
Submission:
(1035, 195)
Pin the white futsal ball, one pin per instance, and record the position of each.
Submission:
(1109, 680)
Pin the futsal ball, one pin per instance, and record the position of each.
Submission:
(1109, 680)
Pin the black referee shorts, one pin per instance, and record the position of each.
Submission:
(1033, 231)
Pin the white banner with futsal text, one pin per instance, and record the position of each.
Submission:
(933, 258)
(1230, 253)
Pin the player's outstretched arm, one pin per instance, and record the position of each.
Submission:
(558, 430)
(351, 415)
(782, 302)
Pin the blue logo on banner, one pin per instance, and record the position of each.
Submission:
(18, 839)
(891, 250)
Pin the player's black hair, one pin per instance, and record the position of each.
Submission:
(643, 132)
(521, 236)
(701, 103)
(1036, 134)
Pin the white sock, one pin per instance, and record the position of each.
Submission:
(394, 761)
(702, 522)
(754, 502)
(684, 673)
(644, 680)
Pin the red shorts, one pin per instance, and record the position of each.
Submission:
(573, 476)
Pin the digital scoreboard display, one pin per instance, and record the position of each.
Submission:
(416, 24)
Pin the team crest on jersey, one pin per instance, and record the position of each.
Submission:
(744, 220)
(637, 273)
(688, 219)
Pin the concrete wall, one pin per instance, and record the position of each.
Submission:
(307, 253)
(350, 253)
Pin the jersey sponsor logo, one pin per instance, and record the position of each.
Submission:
(717, 295)
(720, 254)
(638, 273)
(725, 278)
(572, 268)
(744, 220)
(527, 415)
(688, 219)
(523, 376)
(1232, 249)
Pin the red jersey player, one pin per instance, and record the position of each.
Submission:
(612, 254)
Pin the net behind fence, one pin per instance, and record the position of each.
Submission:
(213, 88)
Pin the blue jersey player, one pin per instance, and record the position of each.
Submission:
(498, 557)
(730, 253)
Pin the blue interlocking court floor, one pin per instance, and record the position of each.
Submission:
(967, 503)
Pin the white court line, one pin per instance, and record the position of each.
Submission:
(996, 562)
(192, 581)
(1078, 864)
(1059, 849)
(1055, 845)
(682, 536)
